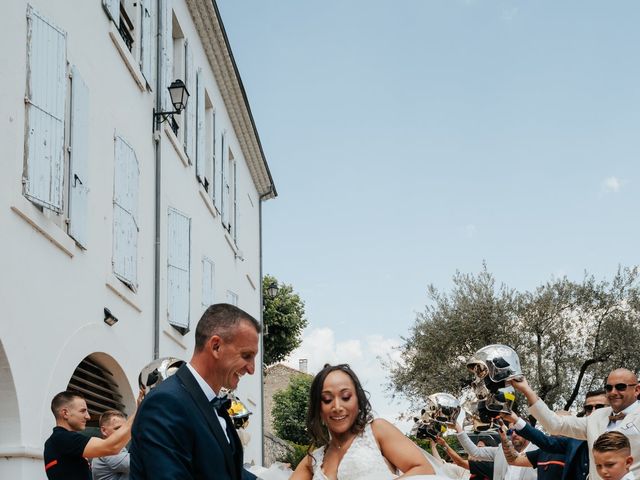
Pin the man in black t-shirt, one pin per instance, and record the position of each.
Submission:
(66, 451)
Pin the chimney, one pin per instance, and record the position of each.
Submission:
(302, 365)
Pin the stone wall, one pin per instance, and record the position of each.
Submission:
(275, 449)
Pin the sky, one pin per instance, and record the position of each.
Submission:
(409, 139)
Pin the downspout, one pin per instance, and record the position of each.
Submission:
(158, 186)
(260, 200)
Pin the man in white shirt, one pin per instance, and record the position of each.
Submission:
(622, 415)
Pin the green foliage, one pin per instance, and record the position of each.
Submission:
(284, 320)
(290, 410)
(295, 457)
(568, 334)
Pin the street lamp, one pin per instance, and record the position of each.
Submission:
(272, 289)
(179, 97)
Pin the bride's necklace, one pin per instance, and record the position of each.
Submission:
(335, 444)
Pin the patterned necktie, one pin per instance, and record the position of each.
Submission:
(617, 416)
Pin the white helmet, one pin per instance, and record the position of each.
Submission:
(499, 362)
(443, 408)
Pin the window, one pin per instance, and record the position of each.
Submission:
(207, 283)
(178, 270)
(56, 152)
(178, 71)
(229, 197)
(125, 214)
(134, 20)
(208, 160)
(232, 298)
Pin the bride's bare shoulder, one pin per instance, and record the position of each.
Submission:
(304, 470)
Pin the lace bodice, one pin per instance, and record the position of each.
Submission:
(362, 460)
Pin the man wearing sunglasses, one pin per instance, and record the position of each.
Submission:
(623, 414)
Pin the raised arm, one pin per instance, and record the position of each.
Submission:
(457, 459)
(481, 453)
(399, 450)
(510, 453)
(544, 442)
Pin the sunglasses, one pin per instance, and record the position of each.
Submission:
(620, 387)
(591, 408)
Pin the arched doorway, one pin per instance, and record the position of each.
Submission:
(9, 413)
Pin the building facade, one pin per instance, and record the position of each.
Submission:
(119, 226)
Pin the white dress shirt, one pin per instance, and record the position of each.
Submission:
(210, 394)
(626, 411)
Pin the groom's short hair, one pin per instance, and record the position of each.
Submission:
(221, 319)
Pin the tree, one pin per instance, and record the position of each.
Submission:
(290, 410)
(476, 313)
(568, 335)
(284, 321)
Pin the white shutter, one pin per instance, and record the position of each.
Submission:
(112, 7)
(212, 180)
(46, 91)
(190, 110)
(125, 214)
(166, 54)
(207, 283)
(146, 40)
(201, 165)
(217, 174)
(225, 186)
(235, 204)
(79, 159)
(178, 269)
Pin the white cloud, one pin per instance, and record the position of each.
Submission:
(612, 184)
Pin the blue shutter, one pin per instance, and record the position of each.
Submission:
(166, 54)
(178, 269)
(200, 131)
(125, 214)
(112, 7)
(146, 40)
(190, 110)
(79, 159)
(207, 283)
(46, 91)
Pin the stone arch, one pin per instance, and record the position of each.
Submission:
(9, 413)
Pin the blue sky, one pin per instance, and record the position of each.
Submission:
(409, 139)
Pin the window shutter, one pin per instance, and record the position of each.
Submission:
(166, 54)
(125, 214)
(112, 7)
(207, 282)
(212, 180)
(235, 204)
(200, 132)
(225, 186)
(146, 41)
(178, 269)
(190, 110)
(46, 92)
(79, 159)
(217, 177)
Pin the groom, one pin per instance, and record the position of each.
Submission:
(182, 429)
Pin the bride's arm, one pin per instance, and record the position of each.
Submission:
(303, 470)
(399, 450)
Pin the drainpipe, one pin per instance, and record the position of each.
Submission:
(158, 187)
(260, 200)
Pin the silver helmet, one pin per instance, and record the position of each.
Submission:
(499, 362)
(443, 408)
(157, 371)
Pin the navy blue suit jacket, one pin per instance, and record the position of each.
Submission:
(576, 452)
(177, 436)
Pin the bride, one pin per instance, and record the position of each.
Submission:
(353, 445)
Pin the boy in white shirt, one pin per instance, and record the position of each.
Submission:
(612, 455)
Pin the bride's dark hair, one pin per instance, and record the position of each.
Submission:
(318, 432)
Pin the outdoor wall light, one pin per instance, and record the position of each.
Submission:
(109, 319)
(179, 97)
(272, 289)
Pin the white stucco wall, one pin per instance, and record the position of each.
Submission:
(53, 292)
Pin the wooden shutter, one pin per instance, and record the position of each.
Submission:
(224, 190)
(125, 214)
(212, 181)
(146, 40)
(178, 269)
(79, 159)
(201, 165)
(45, 111)
(190, 110)
(235, 203)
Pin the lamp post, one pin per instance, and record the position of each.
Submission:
(179, 96)
(272, 290)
